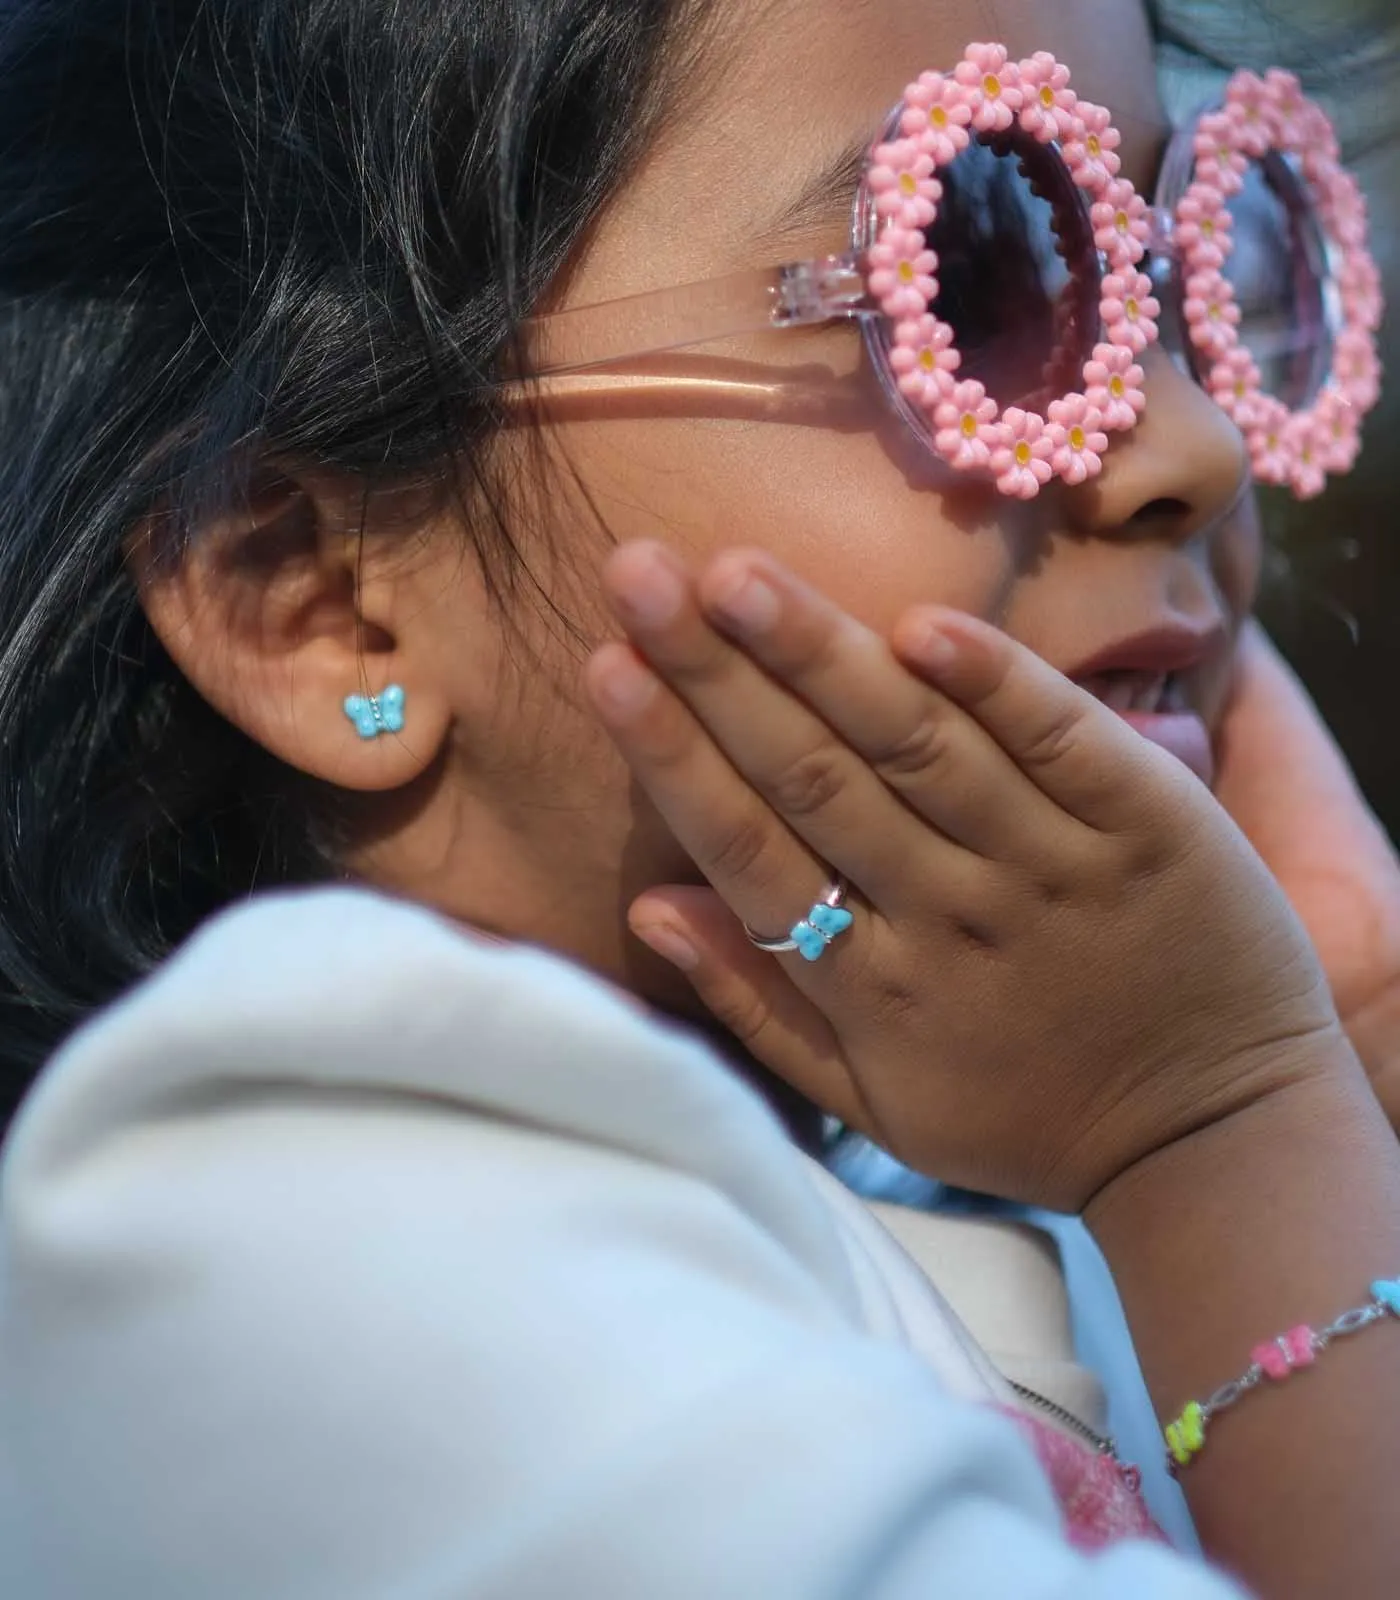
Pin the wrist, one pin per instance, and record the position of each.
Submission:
(1277, 1216)
(1320, 1098)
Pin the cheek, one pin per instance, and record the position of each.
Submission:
(1238, 556)
(851, 512)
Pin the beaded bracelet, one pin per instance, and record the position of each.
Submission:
(1277, 1359)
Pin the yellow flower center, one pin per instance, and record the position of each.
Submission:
(926, 360)
(991, 86)
(1092, 145)
(1208, 228)
(1241, 388)
(1047, 97)
(1213, 312)
(906, 272)
(1023, 454)
(1121, 222)
(1131, 309)
(938, 117)
(1076, 437)
(969, 425)
(907, 184)
(1116, 387)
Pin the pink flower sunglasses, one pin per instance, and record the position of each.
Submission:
(1006, 278)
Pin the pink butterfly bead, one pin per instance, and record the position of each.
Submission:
(1279, 1356)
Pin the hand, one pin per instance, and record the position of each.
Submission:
(1064, 955)
(1283, 779)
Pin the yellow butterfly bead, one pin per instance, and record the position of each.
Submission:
(1187, 1434)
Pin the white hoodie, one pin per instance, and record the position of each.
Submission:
(352, 1258)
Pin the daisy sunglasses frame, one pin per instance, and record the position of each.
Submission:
(1141, 256)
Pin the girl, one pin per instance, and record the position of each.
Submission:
(369, 1249)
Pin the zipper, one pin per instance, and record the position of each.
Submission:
(1099, 1442)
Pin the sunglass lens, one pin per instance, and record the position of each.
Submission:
(1018, 271)
(1277, 270)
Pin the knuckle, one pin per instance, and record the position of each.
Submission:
(1054, 738)
(1154, 848)
(742, 1012)
(924, 748)
(1001, 676)
(890, 987)
(974, 936)
(739, 849)
(809, 783)
(897, 1003)
(1078, 870)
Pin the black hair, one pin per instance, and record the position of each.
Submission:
(232, 230)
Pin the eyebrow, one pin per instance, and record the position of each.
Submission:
(827, 193)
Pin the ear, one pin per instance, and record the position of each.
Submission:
(291, 600)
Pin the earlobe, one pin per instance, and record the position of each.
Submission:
(273, 614)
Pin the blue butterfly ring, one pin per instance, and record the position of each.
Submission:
(813, 936)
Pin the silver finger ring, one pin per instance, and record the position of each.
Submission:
(813, 935)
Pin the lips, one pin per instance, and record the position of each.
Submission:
(1147, 680)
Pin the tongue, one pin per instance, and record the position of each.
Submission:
(1182, 733)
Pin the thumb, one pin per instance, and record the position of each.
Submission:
(750, 995)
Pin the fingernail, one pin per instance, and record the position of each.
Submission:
(926, 640)
(749, 602)
(648, 588)
(622, 683)
(668, 943)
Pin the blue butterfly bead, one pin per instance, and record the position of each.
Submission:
(391, 709)
(816, 931)
(376, 714)
(830, 920)
(1387, 1291)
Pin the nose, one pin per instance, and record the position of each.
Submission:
(1175, 475)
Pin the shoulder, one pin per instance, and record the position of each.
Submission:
(345, 990)
(369, 1021)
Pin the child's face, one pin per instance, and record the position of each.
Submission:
(1162, 548)
(1162, 540)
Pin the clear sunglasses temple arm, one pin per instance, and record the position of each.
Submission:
(797, 294)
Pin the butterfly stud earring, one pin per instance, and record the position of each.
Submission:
(373, 714)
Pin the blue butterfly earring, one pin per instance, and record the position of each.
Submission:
(374, 714)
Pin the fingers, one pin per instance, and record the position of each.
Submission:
(1076, 751)
(860, 731)
(750, 995)
(766, 874)
(921, 745)
(723, 746)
